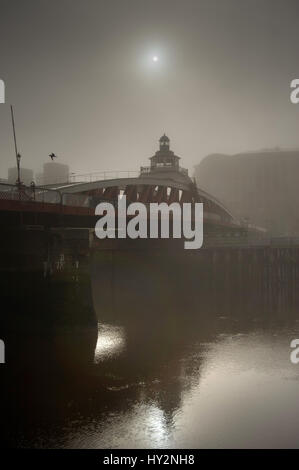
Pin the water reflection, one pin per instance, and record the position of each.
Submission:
(111, 342)
(219, 383)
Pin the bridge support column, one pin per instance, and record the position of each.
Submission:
(47, 294)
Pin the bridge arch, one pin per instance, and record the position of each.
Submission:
(147, 190)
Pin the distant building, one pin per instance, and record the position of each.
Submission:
(26, 175)
(53, 172)
(39, 179)
(259, 186)
(165, 164)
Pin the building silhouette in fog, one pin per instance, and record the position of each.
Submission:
(259, 186)
(26, 175)
(53, 172)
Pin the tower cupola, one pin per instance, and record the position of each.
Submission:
(164, 163)
(164, 142)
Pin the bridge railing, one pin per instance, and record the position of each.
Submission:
(44, 195)
(31, 193)
(102, 175)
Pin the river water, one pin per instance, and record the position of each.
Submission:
(209, 383)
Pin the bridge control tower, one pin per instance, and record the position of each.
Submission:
(165, 164)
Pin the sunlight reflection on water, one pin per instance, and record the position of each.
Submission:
(230, 390)
(223, 387)
(111, 342)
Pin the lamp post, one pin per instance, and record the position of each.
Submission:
(18, 155)
(19, 169)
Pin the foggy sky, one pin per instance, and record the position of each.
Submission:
(80, 76)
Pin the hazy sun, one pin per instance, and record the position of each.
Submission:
(155, 58)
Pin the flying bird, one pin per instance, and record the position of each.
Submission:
(52, 156)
